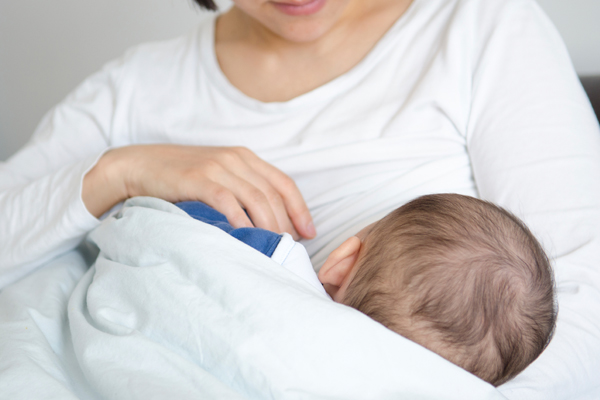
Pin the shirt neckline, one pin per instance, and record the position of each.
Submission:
(318, 95)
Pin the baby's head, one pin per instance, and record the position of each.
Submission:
(460, 276)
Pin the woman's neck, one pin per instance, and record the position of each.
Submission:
(274, 66)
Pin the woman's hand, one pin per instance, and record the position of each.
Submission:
(229, 179)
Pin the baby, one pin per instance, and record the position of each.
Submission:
(457, 275)
(460, 276)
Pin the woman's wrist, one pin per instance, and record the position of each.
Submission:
(104, 185)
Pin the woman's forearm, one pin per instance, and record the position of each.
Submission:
(43, 217)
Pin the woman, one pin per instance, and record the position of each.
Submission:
(343, 110)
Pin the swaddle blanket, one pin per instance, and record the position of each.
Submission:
(175, 308)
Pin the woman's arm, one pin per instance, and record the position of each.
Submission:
(233, 180)
(54, 189)
(41, 211)
(535, 149)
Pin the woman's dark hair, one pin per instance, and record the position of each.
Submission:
(208, 4)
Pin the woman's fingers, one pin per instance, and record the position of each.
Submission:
(255, 194)
(223, 200)
(298, 211)
(253, 199)
(295, 206)
(272, 196)
(229, 179)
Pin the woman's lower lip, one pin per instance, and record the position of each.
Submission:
(311, 7)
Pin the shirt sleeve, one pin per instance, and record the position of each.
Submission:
(41, 211)
(534, 143)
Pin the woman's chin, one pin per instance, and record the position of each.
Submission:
(298, 21)
(301, 31)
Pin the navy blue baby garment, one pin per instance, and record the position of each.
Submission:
(260, 239)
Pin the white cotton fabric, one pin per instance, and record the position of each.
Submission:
(476, 97)
(292, 256)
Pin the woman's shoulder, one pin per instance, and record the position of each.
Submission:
(476, 26)
(469, 12)
(166, 54)
(493, 12)
(489, 11)
(474, 20)
(495, 5)
(506, 23)
(156, 60)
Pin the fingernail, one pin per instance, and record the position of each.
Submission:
(310, 230)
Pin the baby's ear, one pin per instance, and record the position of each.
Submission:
(335, 272)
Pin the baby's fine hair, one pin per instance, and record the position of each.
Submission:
(463, 278)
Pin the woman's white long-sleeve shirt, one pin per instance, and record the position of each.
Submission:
(469, 96)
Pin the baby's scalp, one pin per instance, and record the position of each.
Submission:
(462, 277)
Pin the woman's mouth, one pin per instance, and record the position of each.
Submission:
(299, 7)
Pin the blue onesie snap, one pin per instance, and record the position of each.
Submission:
(260, 239)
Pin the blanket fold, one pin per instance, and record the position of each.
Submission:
(174, 307)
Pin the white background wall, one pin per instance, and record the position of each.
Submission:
(48, 47)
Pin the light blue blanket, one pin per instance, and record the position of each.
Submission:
(175, 308)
